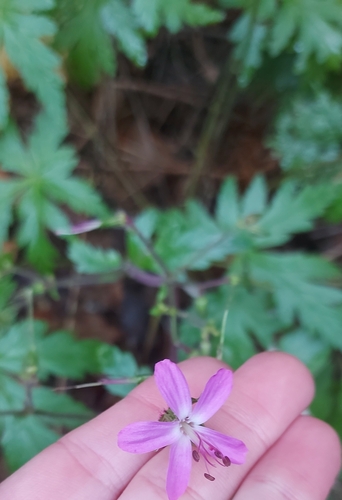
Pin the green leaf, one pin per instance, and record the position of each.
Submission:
(26, 345)
(146, 222)
(250, 37)
(21, 33)
(119, 21)
(255, 199)
(308, 135)
(291, 211)
(17, 346)
(251, 313)
(43, 171)
(24, 437)
(314, 25)
(311, 29)
(191, 239)
(115, 364)
(312, 351)
(82, 36)
(61, 354)
(7, 312)
(12, 394)
(325, 395)
(250, 316)
(8, 192)
(4, 100)
(152, 14)
(90, 260)
(300, 291)
(228, 209)
(60, 409)
(37, 5)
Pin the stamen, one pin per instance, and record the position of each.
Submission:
(196, 455)
(226, 461)
(209, 477)
(218, 454)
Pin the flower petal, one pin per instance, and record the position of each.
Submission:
(142, 437)
(214, 395)
(173, 387)
(178, 474)
(230, 447)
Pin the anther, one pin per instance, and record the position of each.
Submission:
(218, 454)
(195, 455)
(226, 461)
(209, 477)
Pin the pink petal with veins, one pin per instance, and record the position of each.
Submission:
(142, 437)
(230, 447)
(173, 387)
(214, 395)
(178, 474)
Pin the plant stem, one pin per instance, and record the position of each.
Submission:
(105, 381)
(149, 247)
(221, 108)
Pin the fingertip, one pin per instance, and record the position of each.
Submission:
(284, 368)
(329, 440)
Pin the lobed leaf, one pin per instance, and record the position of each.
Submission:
(90, 260)
(22, 28)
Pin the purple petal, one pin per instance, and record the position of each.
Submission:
(142, 437)
(173, 387)
(214, 395)
(178, 474)
(230, 447)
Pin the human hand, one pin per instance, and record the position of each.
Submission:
(290, 455)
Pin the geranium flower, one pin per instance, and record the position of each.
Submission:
(181, 427)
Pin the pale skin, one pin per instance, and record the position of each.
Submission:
(291, 456)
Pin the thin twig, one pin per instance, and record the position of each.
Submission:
(148, 245)
(105, 381)
(221, 108)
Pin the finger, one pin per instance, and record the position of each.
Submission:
(302, 465)
(269, 392)
(87, 463)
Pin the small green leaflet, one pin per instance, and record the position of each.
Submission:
(91, 260)
(313, 25)
(193, 239)
(4, 100)
(308, 135)
(119, 21)
(22, 29)
(299, 284)
(43, 180)
(311, 28)
(7, 312)
(117, 364)
(314, 352)
(23, 438)
(146, 222)
(58, 353)
(256, 223)
(250, 316)
(153, 14)
(81, 34)
(86, 28)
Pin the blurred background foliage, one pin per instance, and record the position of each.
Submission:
(170, 186)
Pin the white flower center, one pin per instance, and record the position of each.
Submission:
(187, 429)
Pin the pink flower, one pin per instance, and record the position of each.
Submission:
(181, 427)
